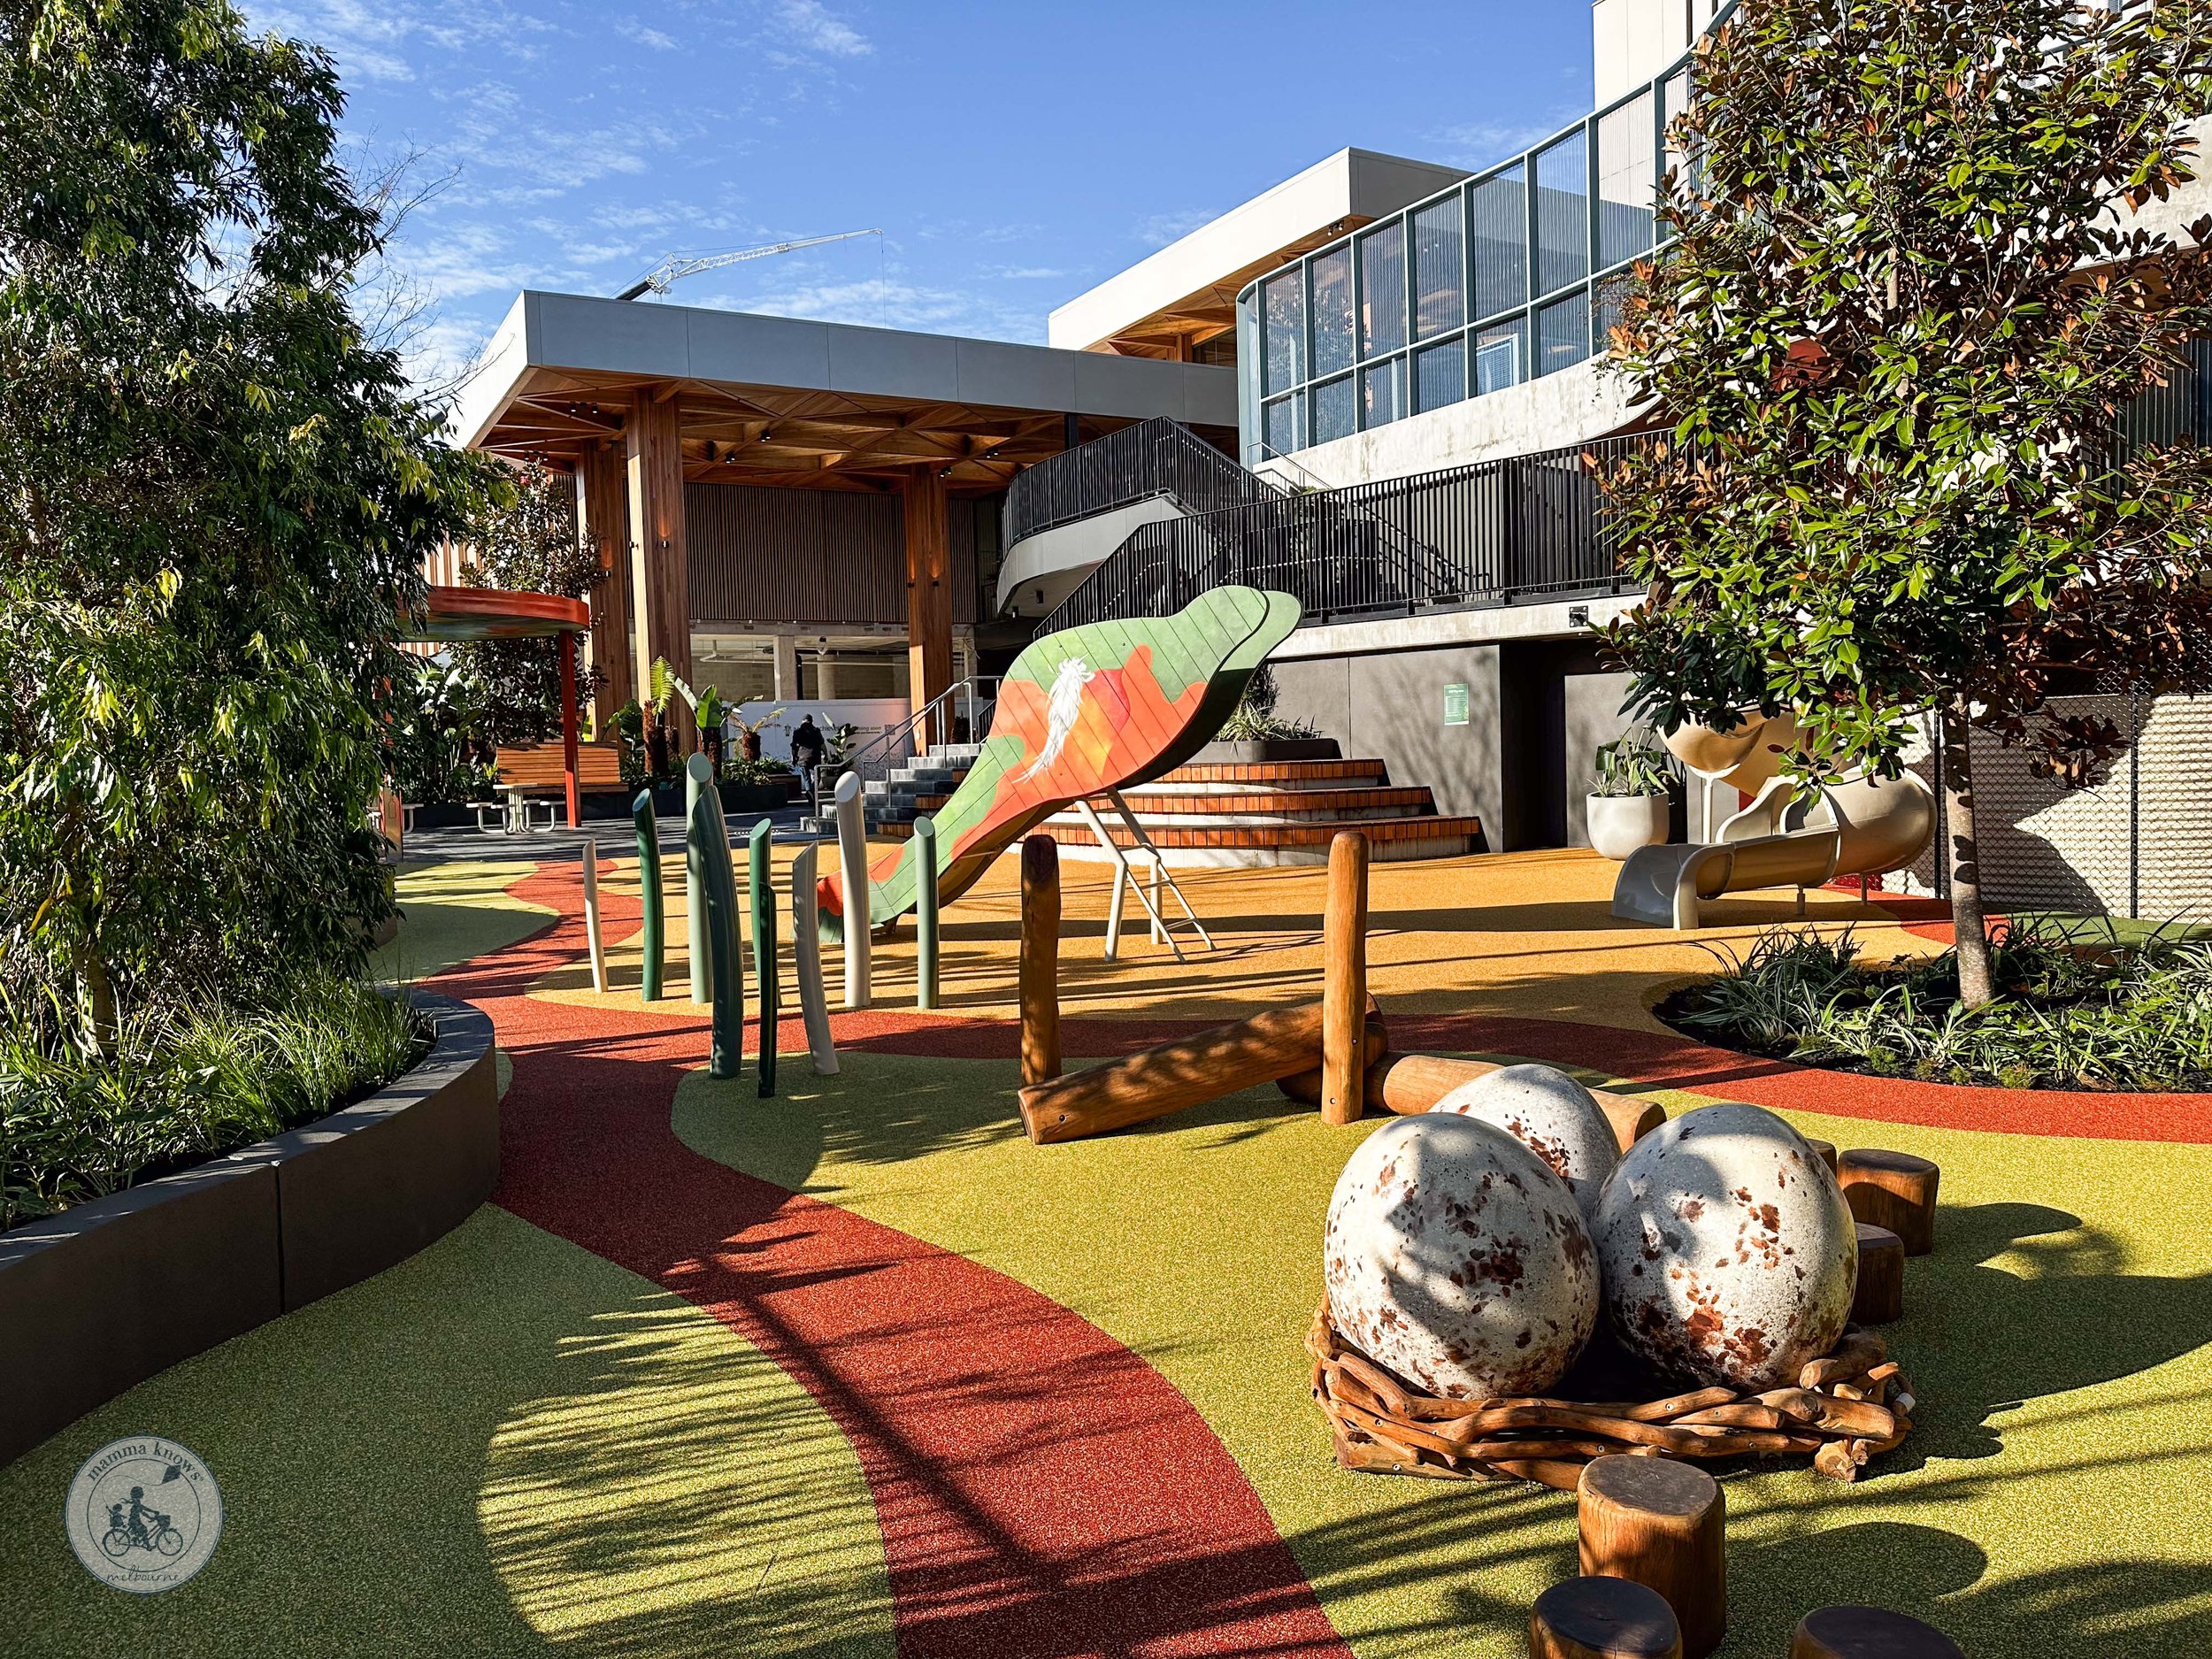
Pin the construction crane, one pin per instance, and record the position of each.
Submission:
(670, 270)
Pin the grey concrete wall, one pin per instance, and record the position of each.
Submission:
(1390, 706)
(1594, 717)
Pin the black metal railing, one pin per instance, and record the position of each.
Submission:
(1493, 533)
(1159, 457)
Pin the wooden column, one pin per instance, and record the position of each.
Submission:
(660, 572)
(1344, 981)
(928, 598)
(603, 513)
(1039, 979)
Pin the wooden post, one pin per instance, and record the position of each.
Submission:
(602, 513)
(1344, 981)
(649, 887)
(1870, 1632)
(1040, 981)
(660, 578)
(1661, 1524)
(698, 779)
(806, 952)
(1827, 1150)
(1306, 1086)
(1602, 1619)
(928, 600)
(1410, 1084)
(855, 892)
(592, 938)
(568, 728)
(1171, 1076)
(759, 865)
(1894, 1190)
(1880, 1296)
(925, 913)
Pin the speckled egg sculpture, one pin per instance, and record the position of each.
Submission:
(1553, 1116)
(1454, 1257)
(1729, 1254)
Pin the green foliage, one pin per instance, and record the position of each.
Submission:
(217, 493)
(1254, 719)
(429, 750)
(1891, 482)
(524, 538)
(629, 727)
(737, 769)
(2084, 1009)
(1633, 765)
(183, 1086)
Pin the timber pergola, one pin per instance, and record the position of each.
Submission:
(639, 399)
(491, 613)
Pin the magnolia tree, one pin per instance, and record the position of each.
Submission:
(1890, 340)
(217, 496)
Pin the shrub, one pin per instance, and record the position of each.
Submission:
(2079, 1008)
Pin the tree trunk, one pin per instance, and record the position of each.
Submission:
(1977, 978)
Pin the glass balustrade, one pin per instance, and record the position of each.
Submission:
(1517, 273)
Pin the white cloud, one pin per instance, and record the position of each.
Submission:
(812, 27)
(890, 302)
(1160, 229)
(633, 29)
(1480, 144)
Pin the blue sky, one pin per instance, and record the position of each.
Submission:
(1013, 153)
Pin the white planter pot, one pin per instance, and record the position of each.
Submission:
(1619, 824)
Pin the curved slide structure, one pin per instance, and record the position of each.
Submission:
(1788, 837)
(1104, 706)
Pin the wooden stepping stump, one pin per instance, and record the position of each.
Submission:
(1880, 1297)
(1602, 1619)
(1827, 1150)
(1869, 1632)
(1660, 1523)
(1894, 1190)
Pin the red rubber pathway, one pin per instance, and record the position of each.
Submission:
(1041, 1490)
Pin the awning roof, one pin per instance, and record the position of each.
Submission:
(491, 613)
(777, 400)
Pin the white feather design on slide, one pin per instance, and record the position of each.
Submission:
(1063, 705)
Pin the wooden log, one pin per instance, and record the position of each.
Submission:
(1660, 1523)
(1827, 1150)
(1344, 981)
(1880, 1296)
(1171, 1077)
(1039, 977)
(1603, 1618)
(1410, 1084)
(1305, 1086)
(1894, 1190)
(1869, 1632)
(1562, 1474)
(1857, 1352)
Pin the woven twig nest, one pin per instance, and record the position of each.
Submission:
(1848, 1407)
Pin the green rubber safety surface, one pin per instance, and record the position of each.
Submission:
(503, 1446)
(2051, 1498)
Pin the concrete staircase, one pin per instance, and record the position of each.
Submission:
(1220, 815)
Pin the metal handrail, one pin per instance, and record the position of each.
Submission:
(1489, 533)
(1159, 457)
(878, 752)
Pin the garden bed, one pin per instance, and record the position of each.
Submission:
(104, 1295)
(2079, 1010)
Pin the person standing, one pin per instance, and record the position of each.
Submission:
(806, 755)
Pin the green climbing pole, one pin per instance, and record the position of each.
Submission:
(710, 842)
(698, 779)
(925, 913)
(649, 884)
(759, 868)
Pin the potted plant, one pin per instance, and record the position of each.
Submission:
(748, 733)
(1628, 808)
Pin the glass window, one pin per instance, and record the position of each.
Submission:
(1606, 298)
(1285, 302)
(1626, 180)
(1382, 392)
(1335, 410)
(1562, 213)
(1332, 312)
(1251, 362)
(1439, 375)
(1438, 270)
(1382, 289)
(1282, 425)
(1563, 334)
(1674, 95)
(1500, 354)
(1497, 212)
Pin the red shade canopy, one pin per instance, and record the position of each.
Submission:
(491, 613)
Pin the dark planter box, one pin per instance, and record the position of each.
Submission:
(444, 815)
(102, 1296)
(757, 797)
(1268, 750)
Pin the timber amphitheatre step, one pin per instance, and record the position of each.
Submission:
(1254, 813)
